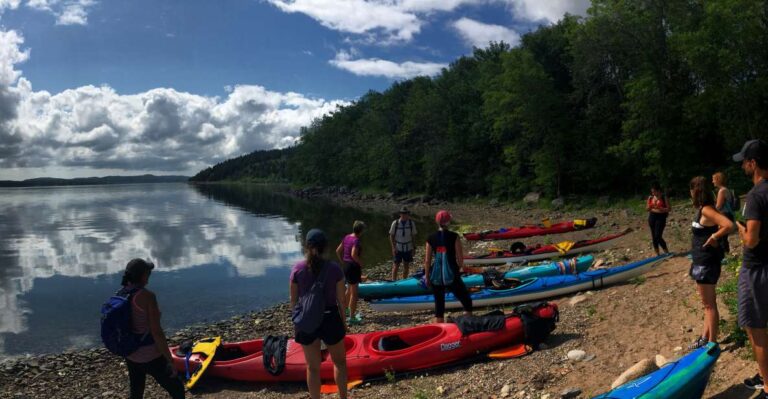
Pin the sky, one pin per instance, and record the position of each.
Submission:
(96, 87)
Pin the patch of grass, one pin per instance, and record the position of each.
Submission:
(591, 310)
(639, 280)
(421, 395)
(728, 290)
(389, 374)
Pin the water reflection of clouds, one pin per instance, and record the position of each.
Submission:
(94, 231)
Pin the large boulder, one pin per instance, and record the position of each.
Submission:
(641, 368)
(532, 198)
(558, 203)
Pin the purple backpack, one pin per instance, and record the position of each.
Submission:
(310, 308)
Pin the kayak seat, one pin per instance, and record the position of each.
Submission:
(392, 343)
(228, 353)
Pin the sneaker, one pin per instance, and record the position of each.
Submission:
(698, 343)
(755, 382)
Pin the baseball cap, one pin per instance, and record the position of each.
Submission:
(316, 237)
(752, 149)
(137, 267)
(443, 217)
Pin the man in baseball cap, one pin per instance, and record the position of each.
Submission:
(753, 275)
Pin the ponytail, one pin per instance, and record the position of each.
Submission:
(314, 257)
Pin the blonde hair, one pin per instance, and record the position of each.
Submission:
(720, 176)
(358, 226)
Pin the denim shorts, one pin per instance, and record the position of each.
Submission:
(403, 256)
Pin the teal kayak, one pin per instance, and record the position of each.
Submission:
(685, 378)
(414, 285)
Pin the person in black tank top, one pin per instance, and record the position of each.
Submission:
(455, 255)
(707, 230)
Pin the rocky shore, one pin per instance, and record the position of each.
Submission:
(614, 327)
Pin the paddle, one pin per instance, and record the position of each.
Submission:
(332, 388)
(206, 347)
(511, 352)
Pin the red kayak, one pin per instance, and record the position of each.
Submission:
(532, 230)
(520, 252)
(376, 353)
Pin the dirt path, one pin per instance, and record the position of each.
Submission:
(619, 325)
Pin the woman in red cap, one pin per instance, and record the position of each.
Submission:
(445, 245)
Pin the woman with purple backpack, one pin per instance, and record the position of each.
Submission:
(311, 328)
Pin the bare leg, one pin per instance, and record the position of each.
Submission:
(312, 357)
(759, 340)
(352, 299)
(395, 266)
(339, 356)
(711, 315)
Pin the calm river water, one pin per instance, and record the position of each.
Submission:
(218, 250)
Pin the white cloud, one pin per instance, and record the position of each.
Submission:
(157, 130)
(386, 22)
(10, 55)
(548, 10)
(357, 16)
(479, 34)
(67, 12)
(9, 4)
(388, 69)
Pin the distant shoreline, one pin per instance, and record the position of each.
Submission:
(87, 181)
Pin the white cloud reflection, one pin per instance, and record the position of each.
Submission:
(94, 231)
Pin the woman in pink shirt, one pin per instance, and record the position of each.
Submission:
(154, 358)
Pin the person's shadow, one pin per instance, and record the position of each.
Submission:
(736, 391)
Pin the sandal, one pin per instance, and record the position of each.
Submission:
(697, 343)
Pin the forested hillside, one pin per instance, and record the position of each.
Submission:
(634, 92)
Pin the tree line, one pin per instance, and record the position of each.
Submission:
(635, 92)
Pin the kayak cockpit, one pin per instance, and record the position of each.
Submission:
(395, 341)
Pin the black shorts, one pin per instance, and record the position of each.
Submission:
(331, 330)
(403, 256)
(353, 273)
(704, 274)
(753, 297)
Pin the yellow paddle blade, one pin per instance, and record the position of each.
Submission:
(332, 388)
(207, 348)
(511, 352)
(580, 222)
(564, 247)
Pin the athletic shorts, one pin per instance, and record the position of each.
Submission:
(403, 256)
(331, 330)
(353, 273)
(705, 274)
(753, 297)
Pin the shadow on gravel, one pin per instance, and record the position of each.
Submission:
(211, 385)
(736, 391)
(556, 339)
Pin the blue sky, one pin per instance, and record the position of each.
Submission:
(92, 87)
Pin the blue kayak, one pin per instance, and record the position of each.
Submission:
(533, 289)
(415, 286)
(685, 378)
